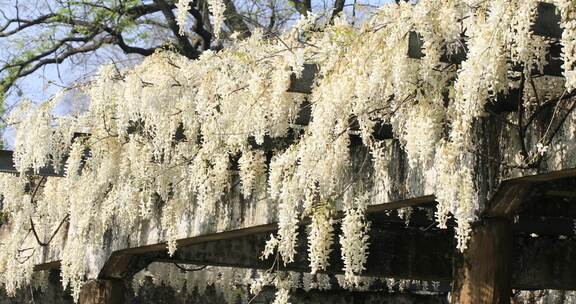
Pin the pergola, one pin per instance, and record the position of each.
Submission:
(524, 238)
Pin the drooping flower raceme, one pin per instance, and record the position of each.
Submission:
(568, 12)
(182, 7)
(320, 240)
(354, 239)
(217, 9)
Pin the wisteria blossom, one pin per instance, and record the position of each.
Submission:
(171, 136)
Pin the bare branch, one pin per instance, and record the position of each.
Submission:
(302, 6)
(234, 20)
(24, 71)
(338, 8)
(183, 42)
(23, 24)
(199, 26)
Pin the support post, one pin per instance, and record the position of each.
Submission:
(102, 292)
(482, 274)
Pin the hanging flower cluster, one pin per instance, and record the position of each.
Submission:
(568, 12)
(216, 7)
(182, 7)
(172, 137)
(354, 239)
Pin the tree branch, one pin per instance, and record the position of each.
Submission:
(23, 24)
(119, 39)
(199, 27)
(338, 8)
(50, 51)
(234, 21)
(185, 45)
(23, 71)
(302, 6)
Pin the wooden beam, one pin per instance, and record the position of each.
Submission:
(482, 274)
(349, 297)
(47, 266)
(544, 262)
(547, 177)
(508, 199)
(123, 263)
(557, 227)
(394, 253)
(518, 194)
(7, 165)
(423, 201)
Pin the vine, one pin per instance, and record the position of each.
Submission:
(172, 137)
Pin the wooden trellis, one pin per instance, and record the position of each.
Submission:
(503, 253)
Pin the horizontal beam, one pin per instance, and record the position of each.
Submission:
(543, 226)
(514, 195)
(404, 253)
(120, 264)
(394, 253)
(47, 266)
(538, 262)
(7, 165)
